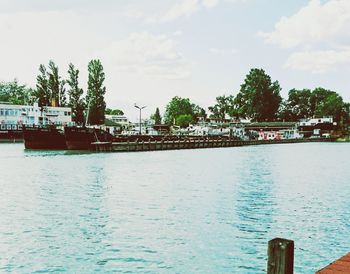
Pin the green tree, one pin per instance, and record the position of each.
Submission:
(284, 112)
(182, 106)
(329, 105)
(198, 112)
(95, 93)
(184, 120)
(114, 111)
(156, 117)
(75, 94)
(224, 105)
(299, 103)
(56, 86)
(15, 93)
(42, 88)
(297, 106)
(259, 98)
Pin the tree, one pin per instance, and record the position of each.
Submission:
(182, 106)
(259, 98)
(327, 103)
(75, 95)
(184, 120)
(198, 112)
(156, 117)
(297, 106)
(284, 112)
(224, 105)
(317, 103)
(114, 111)
(299, 103)
(15, 93)
(95, 93)
(56, 86)
(42, 88)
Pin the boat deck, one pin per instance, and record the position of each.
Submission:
(185, 143)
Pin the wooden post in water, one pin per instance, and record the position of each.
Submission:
(280, 256)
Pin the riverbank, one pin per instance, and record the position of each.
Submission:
(343, 139)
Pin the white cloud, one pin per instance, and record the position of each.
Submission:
(312, 24)
(147, 54)
(318, 61)
(185, 8)
(320, 30)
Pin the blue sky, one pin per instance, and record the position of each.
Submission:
(154, 50)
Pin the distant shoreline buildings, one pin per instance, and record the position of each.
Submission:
(12, 117)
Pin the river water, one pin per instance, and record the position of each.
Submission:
(185, 211)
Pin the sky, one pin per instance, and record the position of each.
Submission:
(199, 49)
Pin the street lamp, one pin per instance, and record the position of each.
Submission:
(140, 108)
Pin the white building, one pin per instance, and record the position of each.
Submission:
(315, 121)
(33, 115)
(119, 119)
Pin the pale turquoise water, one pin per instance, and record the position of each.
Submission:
(188, 211)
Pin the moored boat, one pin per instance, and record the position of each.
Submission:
(40, 137)
(11, 133)
(82, 138)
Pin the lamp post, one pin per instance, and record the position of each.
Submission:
(140, 108)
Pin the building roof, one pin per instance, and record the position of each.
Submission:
(271, 125)
(110, 123)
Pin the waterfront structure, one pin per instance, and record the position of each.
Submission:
(317, 127)
(273, 130)
(11, 116)
(118, 119)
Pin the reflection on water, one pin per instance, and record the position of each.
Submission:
(255, 218)
(189, 211)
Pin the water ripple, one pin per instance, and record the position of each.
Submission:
(190, 211)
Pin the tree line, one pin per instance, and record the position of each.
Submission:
(259, 100)
(52, 90)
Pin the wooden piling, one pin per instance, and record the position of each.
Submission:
(280, 256)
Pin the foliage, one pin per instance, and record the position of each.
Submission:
(95, 93)
(176, 107)
(317, 103)
(299, 103)
(326, 103)
(182, 106)
(156, 117)
(75, 93)
(50, 86)
(224, 105)
(297, 106)
(42, 88)
(54, 83)
(15, 93)
(259, 98)
(184, 120)
(198, 112)
(114, 111)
